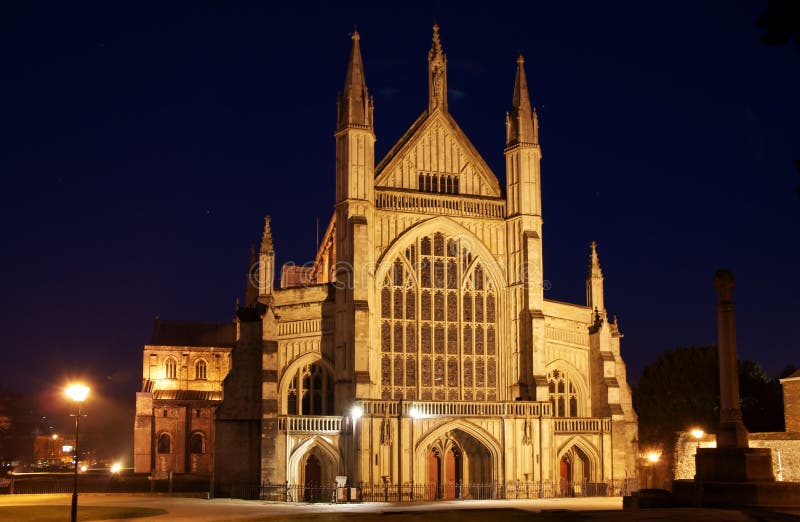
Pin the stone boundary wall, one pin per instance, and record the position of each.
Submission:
(785, 453)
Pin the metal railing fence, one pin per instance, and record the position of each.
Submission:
(411, 492)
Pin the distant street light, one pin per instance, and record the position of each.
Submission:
(652, 458)
(697, 433)
(78, 394)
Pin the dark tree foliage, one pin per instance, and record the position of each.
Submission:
(19, 425)
(781, 22)
(680, 390)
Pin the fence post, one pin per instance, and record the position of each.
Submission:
(170, 483)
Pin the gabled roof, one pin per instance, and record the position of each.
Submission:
(192, 333)
(409, 139)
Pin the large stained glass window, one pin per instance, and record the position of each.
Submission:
(439, 319)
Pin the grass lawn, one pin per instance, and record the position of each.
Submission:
(60, 513)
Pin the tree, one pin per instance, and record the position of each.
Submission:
(680, 390)
(781, 21)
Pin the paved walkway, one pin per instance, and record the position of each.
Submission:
(201, 510)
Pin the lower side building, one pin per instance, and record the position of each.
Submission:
(182, 374)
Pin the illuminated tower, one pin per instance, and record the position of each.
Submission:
(524, 246)
(354, 213)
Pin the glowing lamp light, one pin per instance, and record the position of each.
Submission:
(697, 433)
(84, 468)
(55, 436)
(414, 412)
(78, 392)
(356, 412)
(653, 457)
(67, 448)
(116, 467)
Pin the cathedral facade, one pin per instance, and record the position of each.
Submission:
(419, 348)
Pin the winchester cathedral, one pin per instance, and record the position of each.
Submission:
(418, 348)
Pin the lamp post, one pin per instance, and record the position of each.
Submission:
(78, 393)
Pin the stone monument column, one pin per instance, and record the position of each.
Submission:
(732, 460)
(732, 433)
(732, 474)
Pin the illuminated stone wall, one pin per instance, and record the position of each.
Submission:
(785, 453)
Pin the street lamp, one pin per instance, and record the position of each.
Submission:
(652, 457)
(697, 433)
(78, 393)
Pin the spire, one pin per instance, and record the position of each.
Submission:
(594, 263)
(594, 282)
(437, 74)
(522, 124)
(355, 104)
(263, 272)
(266, 237)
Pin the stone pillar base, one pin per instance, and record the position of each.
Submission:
(734, 465)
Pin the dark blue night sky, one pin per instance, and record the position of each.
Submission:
(142, 144)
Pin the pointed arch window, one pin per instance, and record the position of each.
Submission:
(311, 391)
(450, 332)
(171, 368)
(563, 394)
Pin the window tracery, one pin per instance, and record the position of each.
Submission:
(563, 394)
(310, 392)
(439, 310)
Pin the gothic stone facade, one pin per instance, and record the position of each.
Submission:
(419, 347)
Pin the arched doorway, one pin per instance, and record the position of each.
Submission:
(313, 479)
(575, 472)
(316, 462)
(459, 466)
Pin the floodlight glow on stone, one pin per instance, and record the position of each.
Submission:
(356, 412)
